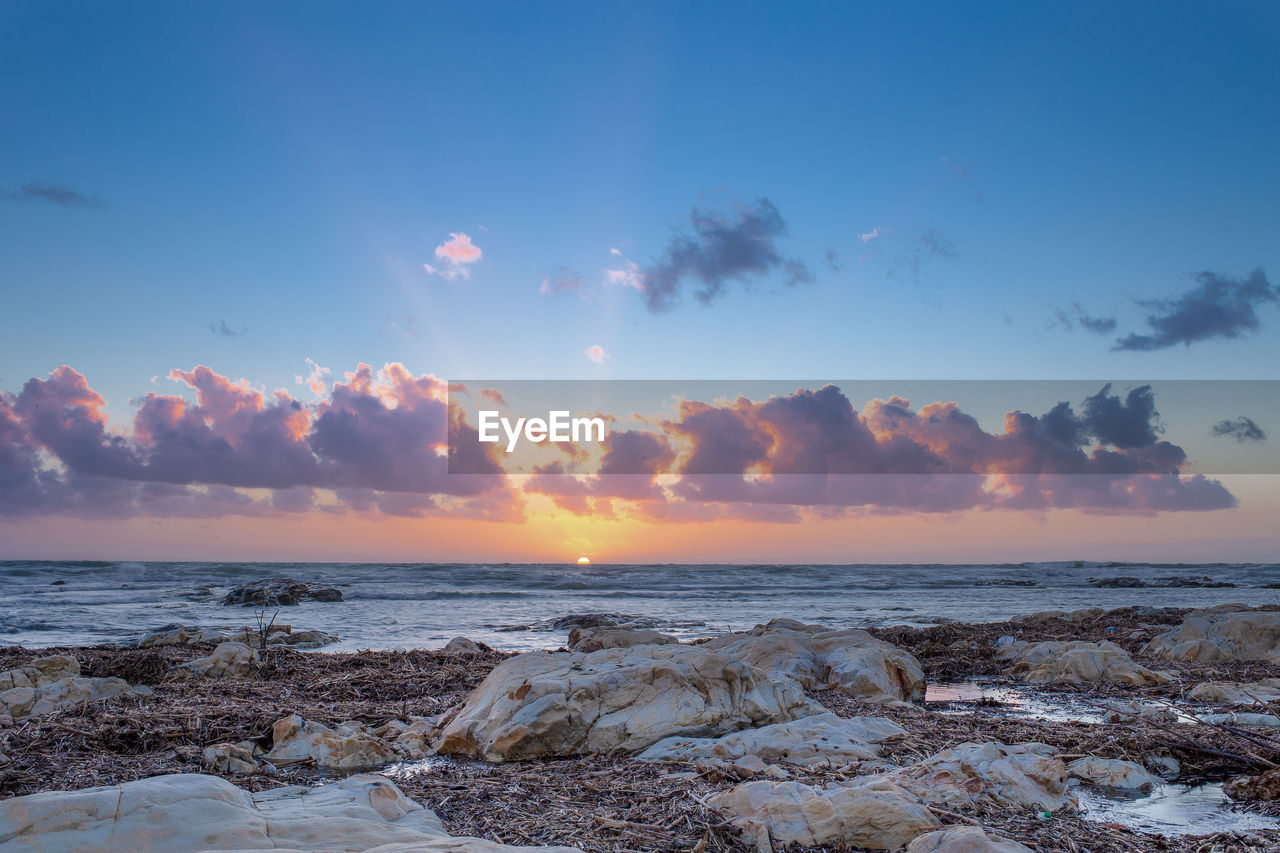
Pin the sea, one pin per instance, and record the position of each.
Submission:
(527, 606)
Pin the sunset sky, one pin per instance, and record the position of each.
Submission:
(244, 250)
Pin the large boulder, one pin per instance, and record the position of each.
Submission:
(1261, 692)
(52, 683)
(192, 812)
(594, 639)
(965, 839)
(542, 704)
(1210, 637)
(817, 658)
(229, 660)
(823, 740)
(349, 747)
(1076, 662)
(287, 592)
(781, 813)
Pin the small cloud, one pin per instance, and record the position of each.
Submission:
(1076, 315)
(222, 330)
(595, 353)
(314, 381)
(1218, 307)
(457, 253)
(52, 194)
(629, 276)
(1242, 429)
(616, 252)
(832, 257)
(936, 243)
(561, 280)
(493, 395)
(872, 234)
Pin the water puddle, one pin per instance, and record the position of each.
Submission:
(965, 697)
(1171, 810)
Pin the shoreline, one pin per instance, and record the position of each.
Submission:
(605, 802)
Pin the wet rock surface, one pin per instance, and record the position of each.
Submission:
(280, 592)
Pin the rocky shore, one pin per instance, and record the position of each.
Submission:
(958, 737)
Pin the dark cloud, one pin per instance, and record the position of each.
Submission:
(1132, 422)
(222, 330)
(724, 247)
(832, 257)
(52, 194)
(1242, 429)
(1218, 307)
(1076, 315)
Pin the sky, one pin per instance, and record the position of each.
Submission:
(233, 207)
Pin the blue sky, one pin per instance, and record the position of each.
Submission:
(289, 169)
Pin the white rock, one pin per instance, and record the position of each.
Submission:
(53, 683)
(349, 747)
(1216, 636)
(411, 738)
(849, 661)
(461, 646)
(1076, 662)
(1259, 721)
(780, 813)
(231, 757)
(823, 740)
(1237, 693)
(965, 839)
(1113, 773)
(1128, 711)
(229, 660)
(991, 774)
(192, 812)
(543, 704)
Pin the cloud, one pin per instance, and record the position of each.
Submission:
(615, 252)
(52, 194)
(595, 353)
(928, 246)
(1219, 307)
(1242, 429)
(832, 257)
(222, 330)
(871, 235)
(724, 246)
(561, 280)
(1132, 422)
(315, 380)
(1068, 319)
(629, 276)
(457, 253)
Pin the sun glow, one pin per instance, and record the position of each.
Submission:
(584, 561)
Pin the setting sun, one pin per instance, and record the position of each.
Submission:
(584, 561)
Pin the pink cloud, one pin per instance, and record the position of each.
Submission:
(629, 276)
(456, 252)
(595, 353)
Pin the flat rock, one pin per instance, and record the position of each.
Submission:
(279, 635)
(823, 740)
(986, 774)
(594, 639)
(1257, 721)
(965, 839)
(229, 660)
(194, 812)
(1113, 773)
(542, 704)
(285, 592)
(1076, 662)
(779, 813)
(850, 661)
(1208, 637)
(1237, 693)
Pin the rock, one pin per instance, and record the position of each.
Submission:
(349, 747)
(194, 812)
(965, 839)
(412, 738)
(849, 661)
(461, 646)
(229, 660)
(781, 813)
(1076, 662)
(280, 635)
(1004, 640)
(988, 774)
(543, 704)
(594, 639)
(232, 757)
(823, 740)
(1208, 637)
(1263, 787)
(286, 592)
(52, 683)
(301, 639)
(1257, 721)
(1236, 693)
(1113, 773)
(1128, 711)
(1164, 766)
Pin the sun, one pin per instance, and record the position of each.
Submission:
(584, 561)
